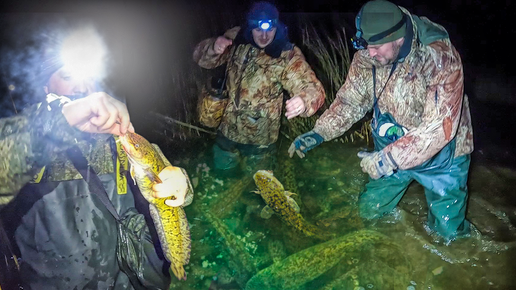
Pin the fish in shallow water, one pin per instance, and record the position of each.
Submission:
(170, 222)
(293, 272)
(279, 201)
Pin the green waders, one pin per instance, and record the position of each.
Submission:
(228, 154)
(443, 177)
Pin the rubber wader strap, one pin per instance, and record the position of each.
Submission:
(90, 176)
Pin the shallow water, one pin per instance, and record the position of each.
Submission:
(231, 243)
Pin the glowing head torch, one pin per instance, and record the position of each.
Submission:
(262, 15)
(264, 24)
(83, 54)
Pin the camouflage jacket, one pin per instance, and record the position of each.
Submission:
(255, 83)
(28, 142)
(39, 138)
(57, 215)
(425, 94)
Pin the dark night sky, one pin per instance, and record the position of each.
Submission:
(479, 27)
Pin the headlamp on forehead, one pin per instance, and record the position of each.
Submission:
(358, 41)
(83, 53)
(264, 24)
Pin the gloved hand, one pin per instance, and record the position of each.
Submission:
(174, 183)
(305, 142)
(377, 164)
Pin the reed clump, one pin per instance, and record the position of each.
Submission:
(331, 63)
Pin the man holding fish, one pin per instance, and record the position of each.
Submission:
(63, 234)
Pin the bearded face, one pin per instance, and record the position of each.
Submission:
(387, 53)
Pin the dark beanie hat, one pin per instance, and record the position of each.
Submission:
(262, 11)
(50, 63)
(379, 16)
(49, 59)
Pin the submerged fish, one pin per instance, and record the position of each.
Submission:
(235, 246)
(279, 201)
(170, 222)
(302, 267)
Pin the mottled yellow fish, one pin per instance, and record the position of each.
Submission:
(279, 201)
(170, 222)
(293, 272)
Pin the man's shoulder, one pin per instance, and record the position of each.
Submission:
(291, 50)
(439, 46)
(440, 52)
(428, 31)
(289, 46)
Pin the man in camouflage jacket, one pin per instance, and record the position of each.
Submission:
(63, 234)
(261, 64)
(412, 77)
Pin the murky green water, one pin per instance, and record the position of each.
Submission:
(231, 243)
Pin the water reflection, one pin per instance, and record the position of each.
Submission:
(234, 248)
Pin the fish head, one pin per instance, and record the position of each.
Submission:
(263, 176)
(265, 179)
(136, 147)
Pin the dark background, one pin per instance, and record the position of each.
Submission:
(151, 45)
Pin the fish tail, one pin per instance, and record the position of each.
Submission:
(185, 235)
(167, 221)
(178, 271)
(313, 231)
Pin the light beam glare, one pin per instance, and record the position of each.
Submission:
(84, 53)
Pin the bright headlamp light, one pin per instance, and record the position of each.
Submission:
(83, 54)
(264, 24)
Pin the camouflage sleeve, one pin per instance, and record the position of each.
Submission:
(16, 157)
(26, 143)
(300, 80)
(350, 105)
(203, 52)
(444, 98)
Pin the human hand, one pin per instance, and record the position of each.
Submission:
(377, 164)
(221, 44)
(98, 113)
(174, 184)
(305, 142)
(295, 106)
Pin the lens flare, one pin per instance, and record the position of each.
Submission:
(84, 54)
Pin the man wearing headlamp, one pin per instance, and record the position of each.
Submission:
(261, 64)
(66, 237)
(410, 75)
